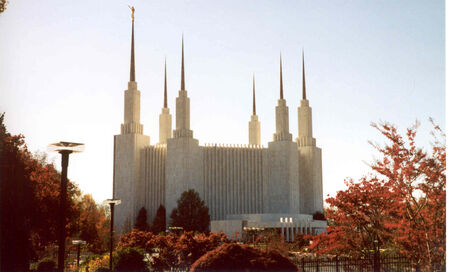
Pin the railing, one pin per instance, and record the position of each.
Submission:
(347, 264)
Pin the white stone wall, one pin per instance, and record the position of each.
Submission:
(254, 131)
(231, 228)
(154, 179)
(184, 170)
(233, 179)
(182, 126)
(127, 165)
(165, 126)
(311, 191)
(282, 122)
(280, 190)
(304, 119)
(285, 178)
(132, 113)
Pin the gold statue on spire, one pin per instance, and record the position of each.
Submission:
(132, 12)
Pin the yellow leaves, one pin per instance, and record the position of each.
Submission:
(99, 262)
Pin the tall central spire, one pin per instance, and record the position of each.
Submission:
(304, 84)
(182, 62)
(165, 83)
(132, 73)
(254, 101)
(281, 79)
(254, 126)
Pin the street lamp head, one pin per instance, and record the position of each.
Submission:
(66, 146)
(78, 242)
(112, 201)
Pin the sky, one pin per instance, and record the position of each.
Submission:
(64, 66)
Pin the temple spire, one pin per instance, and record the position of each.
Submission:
(182, 62)
(165, 83)
(281, 79)
(254, 102)
(132, 72)
(304, 83)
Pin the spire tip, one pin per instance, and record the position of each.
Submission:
(304, 80)
(165, 83)
(254, 101)
(281, 79)
(132, 69)
(182, 61)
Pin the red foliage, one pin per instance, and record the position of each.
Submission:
(46, 181)
(360, 219)
(29, 196)
(137, 238)
(172, 250)
(234, 257)
(402, 208)
(93, 224)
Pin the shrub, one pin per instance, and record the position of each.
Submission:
(236, 257)
(137, 239)
(319, 216)
(129, 259)
(172, 250)
(102, 269)
(47, 265)
(97, 262)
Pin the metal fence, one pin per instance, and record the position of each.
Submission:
(347, 264)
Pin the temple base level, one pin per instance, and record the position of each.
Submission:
(250, 225)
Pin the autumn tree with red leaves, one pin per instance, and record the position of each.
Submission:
(418, 183)
(400, 207)
(29, 204)
(93, 224)
(235, 257)
(46, 180)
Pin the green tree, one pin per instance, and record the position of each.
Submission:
(191, 213)
(141, 220)
(159, 223)
(129, 259)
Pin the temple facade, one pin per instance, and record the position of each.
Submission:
(243, 185)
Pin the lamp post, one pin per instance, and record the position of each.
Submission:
(112, 203)
(65, 149)
(78, 243)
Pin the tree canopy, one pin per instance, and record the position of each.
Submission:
(141, 220)
(235, 257)
(29, 205)
(191, 213)
(399, 208)
(93, 224)
(16, 202)
(173, 251)
(159, 223)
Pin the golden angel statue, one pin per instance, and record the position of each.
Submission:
(132, 12)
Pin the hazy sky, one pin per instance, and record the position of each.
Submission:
(65, 64)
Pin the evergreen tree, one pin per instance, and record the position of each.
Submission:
(141, 220)
(191, 213)
(159, 223)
